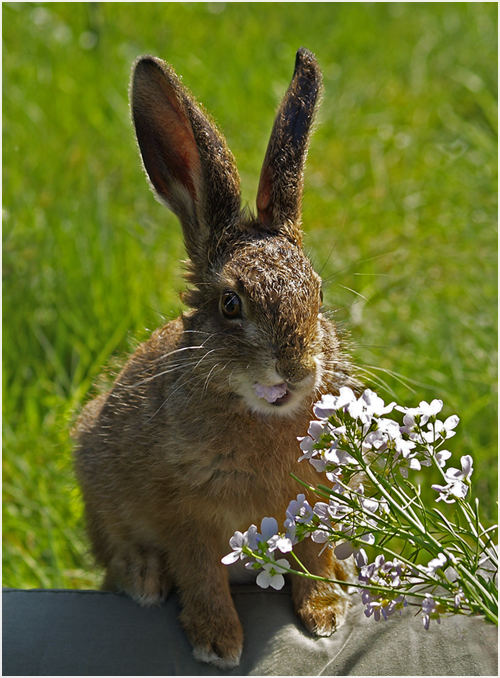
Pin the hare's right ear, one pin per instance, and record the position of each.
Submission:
(185, 157)
(279, 195)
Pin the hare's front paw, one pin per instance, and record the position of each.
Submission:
(141, 572)
(216, 639)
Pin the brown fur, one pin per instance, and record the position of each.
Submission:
(180, 453)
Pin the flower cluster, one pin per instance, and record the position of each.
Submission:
(458, 482)
(371, 502)
(262, 547)
(344, 422)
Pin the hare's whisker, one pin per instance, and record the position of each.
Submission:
(189, 379)
(220, 334)
(172, 368)
(207, 354)
(377, 380)
(177, 350)
(358, 294)
(207, 380)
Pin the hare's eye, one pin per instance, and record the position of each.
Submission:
(321, 294)
(231, 305)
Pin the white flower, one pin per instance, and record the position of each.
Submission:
(442, 456)
(320, 536)
(368, 405)
(449, 493)
(441, 430)
(412, 464)
(458, 481)
(316, 429)
(360, 558)
(409, 419)
(368, 538)
(344, 550)
(271, 576)
(325, 407)
(446, 428)
(420, 414)
(330, 403)
(331, 511)
(306, 445)
(338, 457)
(458, 598)
(381, 605)
(335, 477)
(429, 610)
(434, 564)
(375, 440)
(430, 410)
(238, 541)
(268, 534)
(268, 528)
(369, 504)
(299, 509)
(374, 403)
(404, 447)
(280, 542)
(453, 474)
(290, 527)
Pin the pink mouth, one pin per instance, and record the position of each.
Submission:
(275, 395)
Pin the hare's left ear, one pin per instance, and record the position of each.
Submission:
(186, 158)
(279, 195)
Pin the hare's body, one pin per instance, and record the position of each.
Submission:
(198, 436)
(197, 461)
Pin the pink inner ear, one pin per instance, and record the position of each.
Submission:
(264, 197)
(178, 148)
(165, 135)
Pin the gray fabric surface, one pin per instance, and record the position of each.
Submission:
(52, 632)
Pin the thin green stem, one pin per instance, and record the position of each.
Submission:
(370, 587)
(306, 571)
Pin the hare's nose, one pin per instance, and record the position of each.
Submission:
(295, 372)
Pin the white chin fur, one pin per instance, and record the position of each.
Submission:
(246, 389)
(261, 406)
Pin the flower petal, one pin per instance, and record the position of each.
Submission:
(268, 528)
(344, 550)
(230, 558)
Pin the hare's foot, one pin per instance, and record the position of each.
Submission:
(141, 572)
(216, 634)
(321, 606)
(208, 615)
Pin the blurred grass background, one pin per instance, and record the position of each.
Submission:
(399, 212)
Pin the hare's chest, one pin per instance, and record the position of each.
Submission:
(253, 472)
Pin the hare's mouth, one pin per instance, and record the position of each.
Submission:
(281, 398)
(276, 395)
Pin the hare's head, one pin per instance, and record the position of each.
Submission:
(255, 296)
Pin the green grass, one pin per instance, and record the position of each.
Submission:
(399, 212)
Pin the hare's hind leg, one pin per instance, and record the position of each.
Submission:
(322, 607)
(132, 566)
(139, 571)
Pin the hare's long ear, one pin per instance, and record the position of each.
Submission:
(282, 177)
(186, 158)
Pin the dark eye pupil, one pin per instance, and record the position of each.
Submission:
(231, 305)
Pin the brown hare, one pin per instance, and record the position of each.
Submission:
(198, 435)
